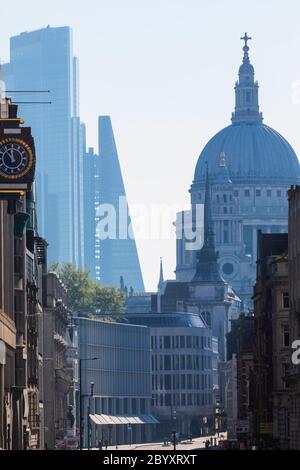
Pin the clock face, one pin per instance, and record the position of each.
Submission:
(15, 158)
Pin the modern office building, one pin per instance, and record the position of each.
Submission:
(251, 167)
(182, 372)
(43, 60)
(91, 188)
(120, 409)
(118, 251)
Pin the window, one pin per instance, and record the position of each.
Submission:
(199, 196)
(167, 361)
(167, 342)
(182, 362)
(183, 382)
(168, 382)
(183, 399)
(269, 192)
(125, 405)
(168, 401)
(182, 342)
(258, 193)
(247, 192)
(285, 300)
(224, 198)
(236, 193)
(278, 193)
(225, 210)
(285, 369)
(188, 341)
(286, 335)
(228, 268)
(133, 405)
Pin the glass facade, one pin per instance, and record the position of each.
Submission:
(43, 60)
(118, 256)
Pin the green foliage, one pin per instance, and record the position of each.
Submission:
(84, 295)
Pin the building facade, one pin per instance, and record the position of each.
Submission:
(272, 343)
(294, 315)
(251, 167)
(240, 378)
(57, 380)
(23, 259)
(119, 410)
(181, 371)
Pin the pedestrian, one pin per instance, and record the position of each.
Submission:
(100, 444)
(106, 444)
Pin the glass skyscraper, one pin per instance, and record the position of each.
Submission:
(118, 256)
(43, 60)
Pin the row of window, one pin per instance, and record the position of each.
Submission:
(182, 399)
(180, 362)
(120, 405)
(184, 342)
(259, 192)
(181, 382)
(247, 192)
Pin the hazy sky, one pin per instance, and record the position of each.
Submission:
(164, 70)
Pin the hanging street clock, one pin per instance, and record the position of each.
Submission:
(17, 156)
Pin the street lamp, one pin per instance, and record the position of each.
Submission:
(80, 398)
(174, 439)
(88, 414)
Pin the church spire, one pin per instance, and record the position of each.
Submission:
(207, 268)
(246, 91)
(208, 224)
(161, 277)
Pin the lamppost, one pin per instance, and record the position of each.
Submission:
(174, 439)
(80, 399)
(88, 414)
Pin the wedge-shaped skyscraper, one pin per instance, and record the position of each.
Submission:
(118, 253)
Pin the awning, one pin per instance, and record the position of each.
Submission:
(123, 419)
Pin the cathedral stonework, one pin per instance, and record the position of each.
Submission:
(251, 167)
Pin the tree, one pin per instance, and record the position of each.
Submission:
(84, 295)
(108, 299)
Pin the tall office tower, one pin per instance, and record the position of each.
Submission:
(118, 252)
(91, 174)
(43, 60)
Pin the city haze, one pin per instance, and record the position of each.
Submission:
(165, 72)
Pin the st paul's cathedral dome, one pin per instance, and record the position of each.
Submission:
(251, 167)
